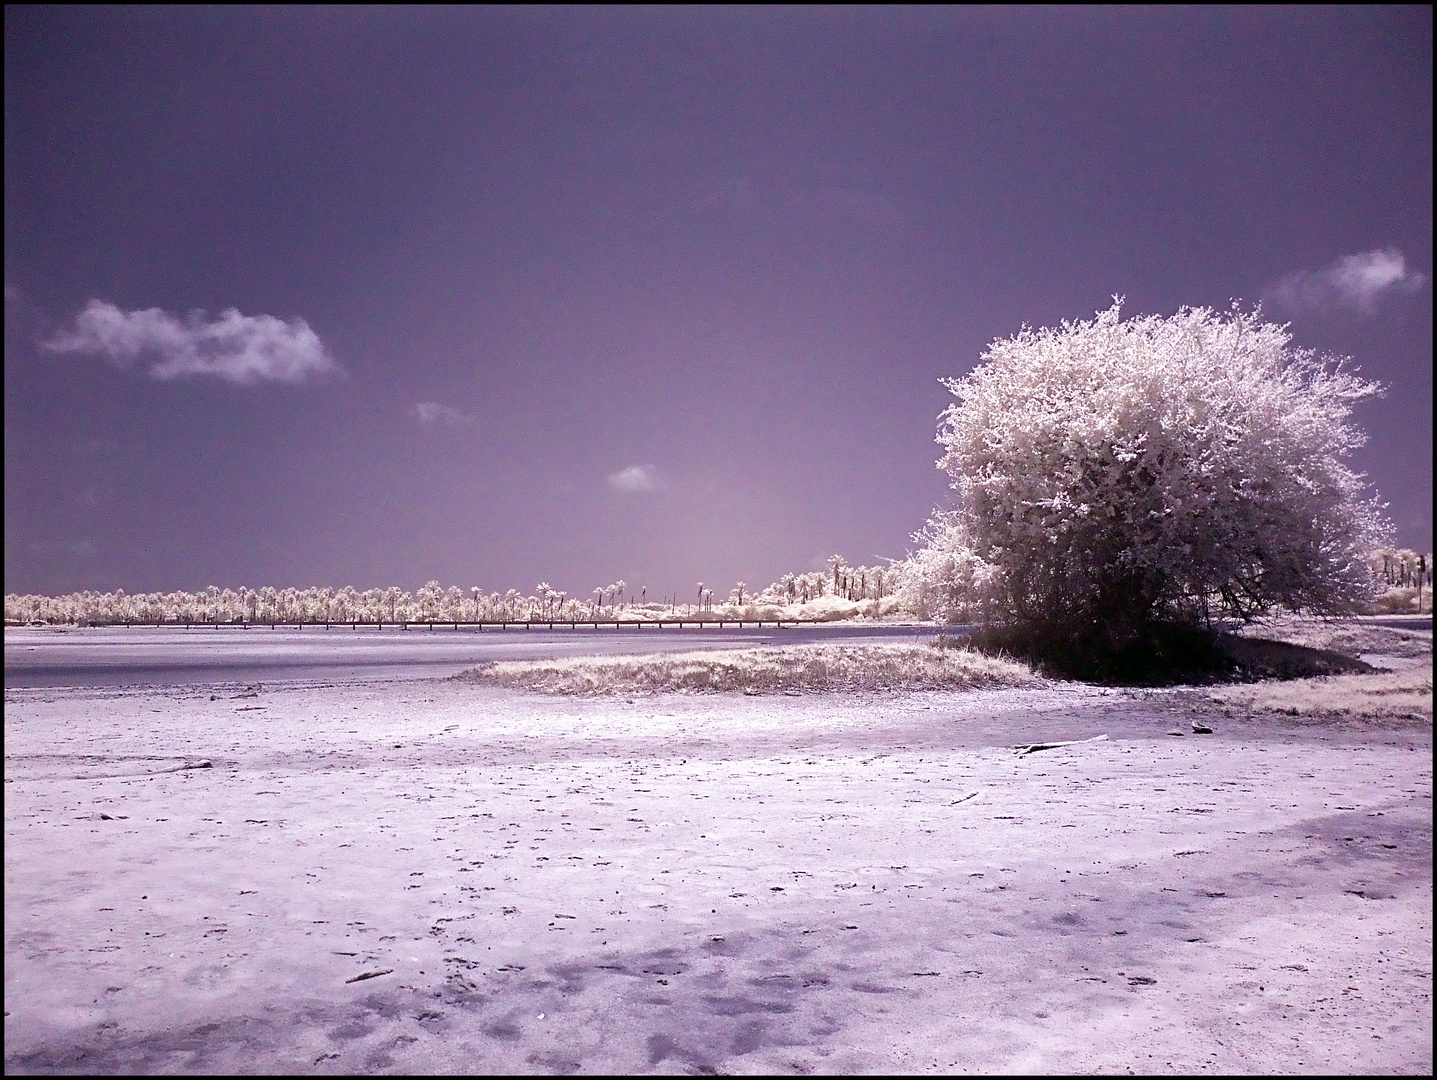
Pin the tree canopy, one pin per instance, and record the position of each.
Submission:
(1113, 475)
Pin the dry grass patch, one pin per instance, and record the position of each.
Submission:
(785, 669)
(1404, 691)
(1387, 695)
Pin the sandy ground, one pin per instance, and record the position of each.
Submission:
(682, 884)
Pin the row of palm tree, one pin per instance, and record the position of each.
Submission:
(430, 603)
(433, 603)
(1402, 568)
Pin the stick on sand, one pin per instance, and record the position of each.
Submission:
(1054, 745)
(370, 975)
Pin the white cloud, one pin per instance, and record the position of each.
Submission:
(800, 194)
(243, 349)
(433, 415)
(1353, 281)
(637, 480)
(81, 548)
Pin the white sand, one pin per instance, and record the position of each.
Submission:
(699, 883)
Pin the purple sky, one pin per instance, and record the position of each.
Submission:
(654, 295)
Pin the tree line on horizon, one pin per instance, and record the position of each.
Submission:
(433, 602)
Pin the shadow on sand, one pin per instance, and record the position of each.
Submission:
(1166, 655)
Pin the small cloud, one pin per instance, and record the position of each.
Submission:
(637, 480)
(79, 548)
(800, 194)
(241, 349)
(853, 204)
(1353, 281)
(726, 192)
(433, 415)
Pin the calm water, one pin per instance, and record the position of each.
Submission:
(136, 656)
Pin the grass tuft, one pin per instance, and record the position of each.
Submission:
(1388, 695)
(816, 668)
(1401, 692)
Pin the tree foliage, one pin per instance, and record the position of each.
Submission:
(432, 602)
(1116, 475)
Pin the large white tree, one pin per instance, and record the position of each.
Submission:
(1115, 475)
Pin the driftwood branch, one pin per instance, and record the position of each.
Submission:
(1054, 745)
(370, 975)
